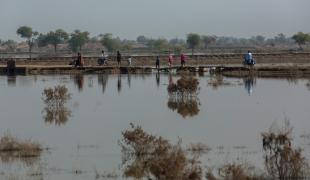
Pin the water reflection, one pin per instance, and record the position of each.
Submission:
(185, 107)
(11, 80)
(103, 81)
(55, 111)
(129, 79)
(119, 83)
(56, 115)
(157, 79)
(183, 96)
(249, 83)
(79, 81)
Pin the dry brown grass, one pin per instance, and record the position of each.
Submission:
(282, 160)
(12, 149)
(185, 86)
(153, 157)
(183, 96)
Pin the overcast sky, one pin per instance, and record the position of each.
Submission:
(157, 18)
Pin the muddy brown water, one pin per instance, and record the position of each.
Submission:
(228, 117)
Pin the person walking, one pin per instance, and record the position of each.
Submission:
(157, 62)
(183, 58)
(118, 58)
(129, 61)
(79, 61)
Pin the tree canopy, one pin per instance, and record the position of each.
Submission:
(193, 41)
(301, 38)
(110, 42)
(78, 39)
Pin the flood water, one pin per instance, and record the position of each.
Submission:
(229, 118)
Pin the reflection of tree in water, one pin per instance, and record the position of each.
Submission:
(79, 81)
(55, 110)
(183, 96)
(119, 83)
(103, 80)
(152, 157)
(249, 83)
(11, 80)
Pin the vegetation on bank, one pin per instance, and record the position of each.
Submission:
(76, 40)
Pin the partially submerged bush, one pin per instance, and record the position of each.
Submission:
(55, 110)
(153, 157)
(283, 161)
(12, 148)
(183, 96)
(56, 96)
(185, 86)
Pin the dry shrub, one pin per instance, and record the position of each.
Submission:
(12, 149)
(56, 96)
(183, 96)
(185, 86)
(283, 161)
(152, 157)
(55, 110)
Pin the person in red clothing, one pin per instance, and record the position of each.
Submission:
(183, 58)
(170, 60)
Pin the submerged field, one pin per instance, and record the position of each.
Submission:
(81, 138)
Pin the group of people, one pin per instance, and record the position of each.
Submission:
(183, 58)
(103, 59)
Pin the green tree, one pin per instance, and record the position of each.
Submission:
(56, 37)
(78, 39)
(110, 42)
(207, 40)
(193, 41)
(142, 39)
(301, 38)
(160, 44)
(29, 34)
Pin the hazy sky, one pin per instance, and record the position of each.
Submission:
(155, 18)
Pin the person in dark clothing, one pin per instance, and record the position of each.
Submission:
(79, 61)
(118, 58)
(157, 62)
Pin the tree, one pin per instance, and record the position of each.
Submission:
(301, 38)
(142, 39)
(29, 34)
(193, 41)
(207, 40)
(78, 39)
(160, 44)
(110, 42)
(55, 38)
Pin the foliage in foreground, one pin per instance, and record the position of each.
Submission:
(152, 157)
